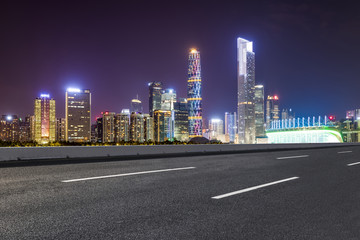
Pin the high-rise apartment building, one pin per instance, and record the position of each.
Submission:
(9, 128)
(78, 115)
(246, 91)
(122, 123)
(99, 130)
(181, 130)
(155, 89)
(108, 123)
(25, 133)
(60, 129)
(162, 119)
(136, 106)
(216, 128)
(136, 127)
(259, 111)
(45, 120)
(148, 128)
(230, 127)
(272, 109)
(168, 98)
(194, 94)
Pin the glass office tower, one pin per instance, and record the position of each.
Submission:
(259, 111)
(194, 94)
(45, 121)
(154, 96)
(246, 89)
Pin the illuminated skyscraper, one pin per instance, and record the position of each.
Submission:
(136, 127)
(9, 128)
(45, 121)
(122, 122)
(259, 111)
(181, 131)
(155, 89)
(230, 127)
(136, 106)
(60, 129)
(168, 99)
(246, 87)
(162, 120)
(108, 124)
(194, 94)
(216, 128)
(148, 128)
(78, 115)
(272, 109)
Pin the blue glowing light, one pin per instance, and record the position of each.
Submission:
(76, 90)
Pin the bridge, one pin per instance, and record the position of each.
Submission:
(304, 130)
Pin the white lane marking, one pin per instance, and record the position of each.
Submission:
(352, 164)
(126, 174)
(301, 156)
(345, 152)
(253, 188)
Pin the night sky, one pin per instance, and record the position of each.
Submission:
(307, 52)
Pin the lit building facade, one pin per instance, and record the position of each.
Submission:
(136, 127)
(216, 128)
(45, 120)
(230, 127)
(148, 128)
(155, 92)
(99, 130)
(162, 119)
(194, 94)
(9, 128)
(108, 123)
(78, 115)
(136, 106)
(60, 129)
(246, 91)
(25, 133)
(259, 111)
(122, 122)
(181, 131)
(272, 109)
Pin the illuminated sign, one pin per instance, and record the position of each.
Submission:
(45, 95)
(77, 90)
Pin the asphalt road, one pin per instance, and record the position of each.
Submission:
(307, 194)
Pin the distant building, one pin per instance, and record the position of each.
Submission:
(216, 127)
(155, 89)
(136, 106)
(99, 130)
(122, 122)
(181, 130)
(45, 121)
(350, 115)
(162, 120)
(246, 96)
(108, 122)
(194, 94)
(259, 111)
(78, 115)
(9, 128)
(25, 132)
(230, 127)
(272, 109)
(168, 98)
(60, 129)
(148, 128)
(136, 127)
(287, 114)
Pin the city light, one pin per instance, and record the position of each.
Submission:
(9, 118)
(77, 90)
(45, 95)
(193, 50)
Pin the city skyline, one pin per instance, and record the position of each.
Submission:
(293, 61)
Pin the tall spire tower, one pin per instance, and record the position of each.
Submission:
(194, 94)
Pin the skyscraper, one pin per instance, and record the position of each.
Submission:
(122, 122)
(136, 106)
(45, 121)
(162, 120)
(259, 111)
(168, 98)
(246, 87)
(181, 131)
(216, 128)
(272, 109)
(194, 94)
(154, 96)
(230, 127)
(9, 128)
(78, 115)
(60, 129)
(108, 127)
(148, 128)
(136, 127)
